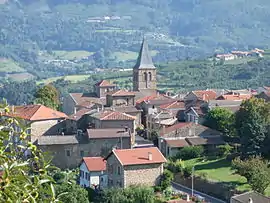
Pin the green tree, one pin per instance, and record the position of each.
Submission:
(73, 193)
(252, 121)
(220, 119)
(256, 171)
(48, 96)
(166, 179)
(22, 179)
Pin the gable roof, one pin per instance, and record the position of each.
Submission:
(107, 133)
(121, 93)
(95, 163)
(138, 156)
(36, 112)
(86, 99)
(57, 140)
(112, 115)
(144, 59)
(255, 196)
(174, 105)
(79, 114)
(175, 127)
(205, 94)
(104, 83)
(234, 97)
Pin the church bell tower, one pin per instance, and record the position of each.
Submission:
(144, 72)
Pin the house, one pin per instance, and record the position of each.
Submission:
(226, 57)
(181, 135)
(195, 114)
(177, 108)
(250, 197)
(120, 98)
(76, 101)
(67, 151)
(234, 97)
(232, 105)
(93, 172)
(41, 120)
(126, 167)
(111, 119)
(203, 95)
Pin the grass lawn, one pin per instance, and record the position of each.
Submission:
(18, 77)
(70, 55)
(9, 66)
(220, 170)
(71, 78)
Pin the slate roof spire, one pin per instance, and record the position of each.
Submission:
(144, 59)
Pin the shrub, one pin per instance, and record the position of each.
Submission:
(176, 166)
(166, 179)
(59, 177)
(190, 152)
(187, 171)
(224, 150)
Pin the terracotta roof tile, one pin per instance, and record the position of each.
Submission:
(36, 112)
(173, 105)
(235, 97)
(153, 97)
(104, 83)
(83, 99)
(95, 163)
(121, 93)
(139, 156)
(112, 115)
(205, 94)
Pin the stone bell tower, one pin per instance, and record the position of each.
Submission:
(144, 72)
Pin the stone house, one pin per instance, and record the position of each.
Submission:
(41, 120)
(111, 119)
(204, 95)
(250, 197)
(68, 150)
(180, 135)
(97, 99)
(139, 166)
(120, 98)
(93, 172)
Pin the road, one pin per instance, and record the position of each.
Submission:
(181, 188)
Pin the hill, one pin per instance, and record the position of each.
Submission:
(52, 38)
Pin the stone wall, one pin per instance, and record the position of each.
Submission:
(95, 147)
(149, 174)
(68, 105)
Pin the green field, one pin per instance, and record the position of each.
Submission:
(18, 77)
(220, 170)
(71, 78)
(71, 55)
(9, 66)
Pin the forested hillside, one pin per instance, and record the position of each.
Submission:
(45, 38)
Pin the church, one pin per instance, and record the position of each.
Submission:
(107, 94)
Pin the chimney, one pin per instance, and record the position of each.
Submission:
(250, 200)
(188, 199)
(75, 110)
(97, 109)
(150, 156)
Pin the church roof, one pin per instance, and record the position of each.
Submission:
(144, 59)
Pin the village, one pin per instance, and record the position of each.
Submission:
(119, 138)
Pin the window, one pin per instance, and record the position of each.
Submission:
(150, 76)
(145, 76)
(68, 153)
(101, 179)
(86, 175)
(118, 170)
(82, 153)
(82, 174)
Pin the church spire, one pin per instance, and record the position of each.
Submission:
(144, 59)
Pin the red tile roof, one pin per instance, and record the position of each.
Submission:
(139, 156)
(121, 93)
(77, 116)
(146, 98)
(173, 105)
(95, 163)
(104, 83)
(113, 115)
(175, 127)
(205, 94)
(234, 97)
(36, 112)
(153, 97)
